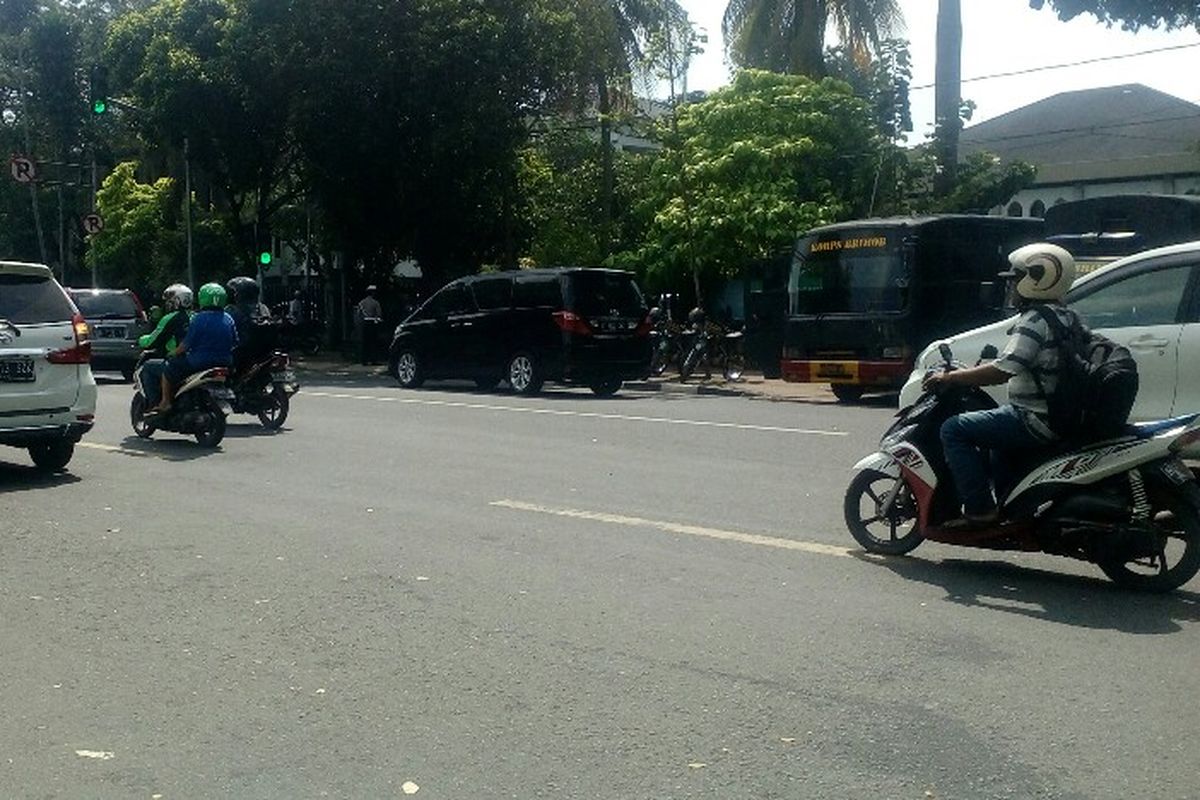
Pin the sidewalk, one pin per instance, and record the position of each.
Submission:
(753, 384)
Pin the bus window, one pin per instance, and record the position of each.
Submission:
(830, 278)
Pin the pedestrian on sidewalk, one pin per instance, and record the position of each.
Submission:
(368, 316)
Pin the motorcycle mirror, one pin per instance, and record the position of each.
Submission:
(989, 352)
(944, 351)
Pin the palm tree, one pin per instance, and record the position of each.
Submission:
(789, 35)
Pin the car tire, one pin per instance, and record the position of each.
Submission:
(52, 456)
(847, 393)
(524, 374)
(407, 369)
(606, 387)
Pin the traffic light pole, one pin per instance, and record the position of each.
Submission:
(187, 209)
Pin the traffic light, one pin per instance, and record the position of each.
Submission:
(264, 257)
(98, 89)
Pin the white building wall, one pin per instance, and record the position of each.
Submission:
(1052, 195)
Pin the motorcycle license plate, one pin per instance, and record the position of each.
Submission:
(1176, 472)
(287, 376)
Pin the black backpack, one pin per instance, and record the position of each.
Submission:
(1097, 382)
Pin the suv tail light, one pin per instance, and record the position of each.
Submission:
(644, 327)
(570, 322)
(81, 353)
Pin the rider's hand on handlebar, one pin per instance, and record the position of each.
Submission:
(935, 380)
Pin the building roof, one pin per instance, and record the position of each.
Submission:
(1103, 134)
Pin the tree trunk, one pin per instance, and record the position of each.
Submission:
(606, 160)
(806, 49)
(948, 94)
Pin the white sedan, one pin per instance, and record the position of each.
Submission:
(1149, 302)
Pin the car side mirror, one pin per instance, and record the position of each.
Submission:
(989, 294)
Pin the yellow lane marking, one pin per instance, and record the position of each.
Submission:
(558, 412)
(814, 548)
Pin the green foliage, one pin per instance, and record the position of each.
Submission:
(750, 168)
(143, 245)
(1130, 14)
(882, 81)
(983, 182)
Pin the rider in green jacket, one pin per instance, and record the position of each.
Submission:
(173, 325)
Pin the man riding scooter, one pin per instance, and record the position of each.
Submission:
(1029, 364)
(209, 342)
(255, 334)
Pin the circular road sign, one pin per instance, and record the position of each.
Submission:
(22, 169)
(93, 223)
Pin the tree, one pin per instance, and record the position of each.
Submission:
(749, 168)
(789, 35)
(1130, 14)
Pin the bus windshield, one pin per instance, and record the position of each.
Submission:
(851, 275)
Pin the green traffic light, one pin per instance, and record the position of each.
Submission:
(99, 107)
(264, 257)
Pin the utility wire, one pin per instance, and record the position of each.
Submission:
(1065, 66)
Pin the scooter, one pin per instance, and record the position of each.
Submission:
(265, 388)
(1129, 505)
(199, 409)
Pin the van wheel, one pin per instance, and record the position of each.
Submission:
(524, 374)
(607, 387)
(408, 370)
(52, 457)
(847, 393)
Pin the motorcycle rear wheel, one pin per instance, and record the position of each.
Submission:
(1178, 558)
(864, 497)
(212, 436)
(273, 415)
(137, 417)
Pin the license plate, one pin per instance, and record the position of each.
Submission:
(1176, 472)
(109, 332)
(836, 371)
(286, 376)
(16, 370)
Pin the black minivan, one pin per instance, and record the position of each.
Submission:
(571, 325)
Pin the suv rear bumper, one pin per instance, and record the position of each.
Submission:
(24, 437)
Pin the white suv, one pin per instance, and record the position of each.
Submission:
(1149, 302)
(47, 393)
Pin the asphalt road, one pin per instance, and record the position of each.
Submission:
(464, 595)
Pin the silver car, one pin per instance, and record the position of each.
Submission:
(115, 320)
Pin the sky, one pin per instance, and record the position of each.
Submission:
(1003, 36)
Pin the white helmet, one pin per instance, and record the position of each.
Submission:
(1043, 271)
(177, 296)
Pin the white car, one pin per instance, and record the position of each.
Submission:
(1149, 302)
(47, 392)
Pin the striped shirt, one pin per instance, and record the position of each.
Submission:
(1030, 357)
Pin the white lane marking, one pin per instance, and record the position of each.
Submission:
(108, 448)
(759, 540)
(102, 755)
(558, 412)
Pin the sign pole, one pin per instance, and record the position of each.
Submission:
(187, 210)
(95, 279)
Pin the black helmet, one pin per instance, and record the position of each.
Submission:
(243, 290)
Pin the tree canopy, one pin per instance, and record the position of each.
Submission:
(1129, 14)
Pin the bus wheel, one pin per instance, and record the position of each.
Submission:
(847, 393)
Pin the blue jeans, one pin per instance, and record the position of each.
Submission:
(152, 372)
(968, 440)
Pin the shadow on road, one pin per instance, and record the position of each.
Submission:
(20, 478)
(251, 430)
(175, 448)
(1080, 601)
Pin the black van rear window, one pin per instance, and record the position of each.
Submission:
(32, 300)
(104, 305)
(605, 294)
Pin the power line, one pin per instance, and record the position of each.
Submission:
(1096, 60)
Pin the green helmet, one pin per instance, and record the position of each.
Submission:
(212, 295)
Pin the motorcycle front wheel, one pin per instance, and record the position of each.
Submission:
(892, 532)
(1171, 558)
(137, 417)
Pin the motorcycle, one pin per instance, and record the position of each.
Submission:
(666, 346)
(711, 345)
(264, 388)
(1128, 505)
(201, 404)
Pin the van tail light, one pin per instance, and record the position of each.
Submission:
(81, 353)
(141, 311)
(570, 322)
(644, 327)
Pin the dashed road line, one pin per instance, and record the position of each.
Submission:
(814, 548)
(558, 412)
